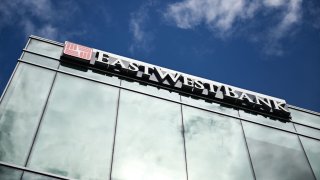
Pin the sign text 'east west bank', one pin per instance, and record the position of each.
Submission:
(187, 83)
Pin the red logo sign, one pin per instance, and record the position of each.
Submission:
(77, 50)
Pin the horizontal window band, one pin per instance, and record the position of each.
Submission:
(170, 100)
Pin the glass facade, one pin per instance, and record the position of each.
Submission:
(149, 143)
(79, 120)
(276, 154)
(60, 120)
(215, 146)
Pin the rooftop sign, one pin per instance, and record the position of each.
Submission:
(177, 80)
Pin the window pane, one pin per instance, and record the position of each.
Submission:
(20, 111)
(45, 48)
(215, 146)
(312, 148)
(48, 62)
(266, 120)
(305, 118)
(83, 71)
(210, 105)
(308, 131)
(149, 143)
(76, 134)
(276, 154)
(7, 173)
(150, 90)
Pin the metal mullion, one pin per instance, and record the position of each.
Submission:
(38, 54)
(38, 65)
(28, 42)
(32, 171)
(247, 148)
(40, 120)
(312, 127)
(115, 132)
(184, 140)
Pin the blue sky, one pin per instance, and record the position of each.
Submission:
(267, 46)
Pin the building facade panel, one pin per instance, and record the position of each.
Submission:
(215, 146)
(79, 120)
(312, 149)
(305, 118)
(276, 154)
(21, 109)
(149, 143)
(40, 60)
(44, 48)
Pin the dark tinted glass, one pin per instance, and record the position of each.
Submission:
(276, 154)
(149, 143)
(20, 111)
(76, 135)
(215, 146)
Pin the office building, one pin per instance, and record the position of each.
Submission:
(74, 112)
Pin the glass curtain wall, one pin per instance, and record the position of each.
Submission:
(149, 143)
(276, 154)
(20, 111)
(76, 134)
(64, 121)
(215, 146)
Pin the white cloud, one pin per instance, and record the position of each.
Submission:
(40, 8)
(142, 37)
(47, 30)
(20, 12)
(273, 3)
(314, 11)
(291, 16)
(220, 16)
(40, 17)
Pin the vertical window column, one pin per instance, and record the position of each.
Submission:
(149, 142)
(76, 134)
(276, 154)
(20, 111)
(215, 146)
